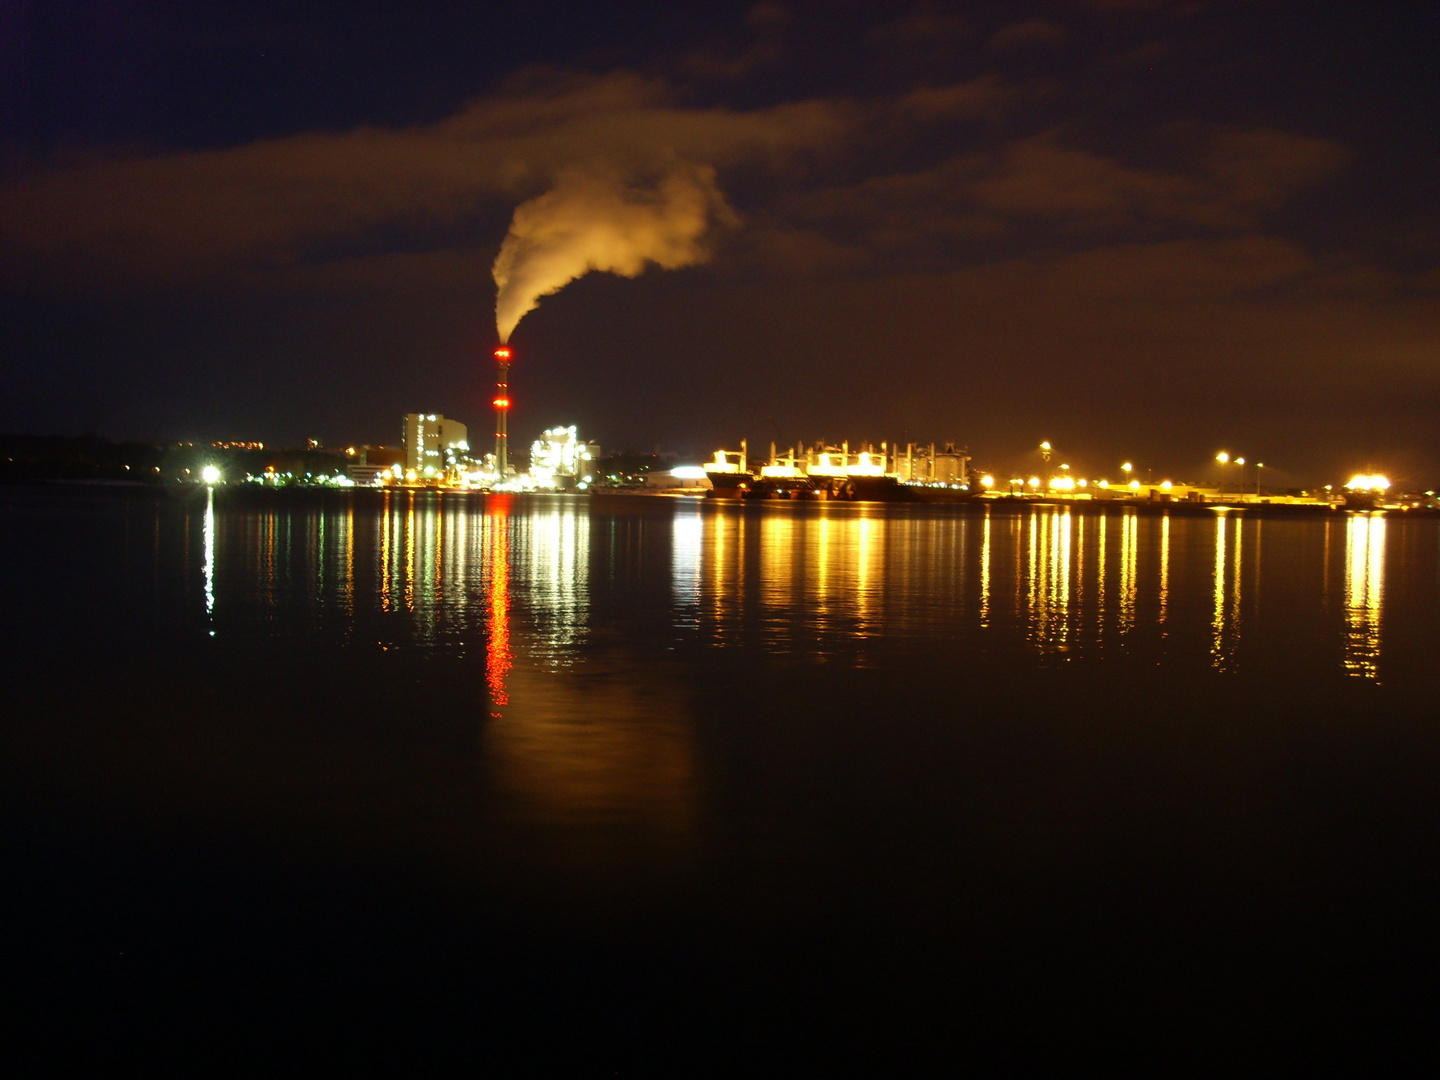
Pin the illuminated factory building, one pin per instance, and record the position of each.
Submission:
(433, 444)
(558, 459)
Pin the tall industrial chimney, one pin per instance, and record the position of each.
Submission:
(502, 411)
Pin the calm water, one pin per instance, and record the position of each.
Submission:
(644, 783)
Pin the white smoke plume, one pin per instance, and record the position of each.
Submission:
(599, 219)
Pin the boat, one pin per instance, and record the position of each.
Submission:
(828, 472)
(729, 474)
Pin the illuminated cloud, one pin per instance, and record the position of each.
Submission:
(188, 218)
(597, 218)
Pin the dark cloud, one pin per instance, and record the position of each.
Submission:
(1029, 33)
(926, 24)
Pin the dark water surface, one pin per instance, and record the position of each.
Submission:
(639, 785)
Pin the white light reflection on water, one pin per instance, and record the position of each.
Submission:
(685, 567)
(210, 558)
(557, 573)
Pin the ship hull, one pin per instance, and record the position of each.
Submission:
(729, 485)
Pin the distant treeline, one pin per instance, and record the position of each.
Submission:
(60, 457)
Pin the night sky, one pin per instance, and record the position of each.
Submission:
(1143, 230)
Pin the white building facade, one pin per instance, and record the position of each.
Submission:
(432, 442)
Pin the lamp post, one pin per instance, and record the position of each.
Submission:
(1222, 457)
(1258, 466)
(1126, 467)
(1045, 457)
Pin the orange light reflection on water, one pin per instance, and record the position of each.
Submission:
(498, 657)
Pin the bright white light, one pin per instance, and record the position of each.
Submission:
(1368, 482)
(688, 472)
(867, 464)
(210, 474)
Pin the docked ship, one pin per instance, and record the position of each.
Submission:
(835, 472)
(729, 474)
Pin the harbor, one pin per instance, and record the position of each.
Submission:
(945, 473)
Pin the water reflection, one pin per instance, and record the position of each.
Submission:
(1164, 596)
(1129, 557)
(782, 564)
(1083, 582)
(831, 581)
(1225, 617)
(210, 559)
(557, 575)
(1049, 604)
(869, 571)
(498, 658)
(685, 568)
(723, 557)
(985, 571)
(1364, 589)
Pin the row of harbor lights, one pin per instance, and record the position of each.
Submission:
(1066, 482)
(1223, 457)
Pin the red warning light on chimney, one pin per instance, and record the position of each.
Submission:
(502, 353)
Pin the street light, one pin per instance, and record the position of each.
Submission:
(1222, 457)
(1258, 466)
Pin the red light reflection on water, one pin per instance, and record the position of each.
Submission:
(497, 652)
